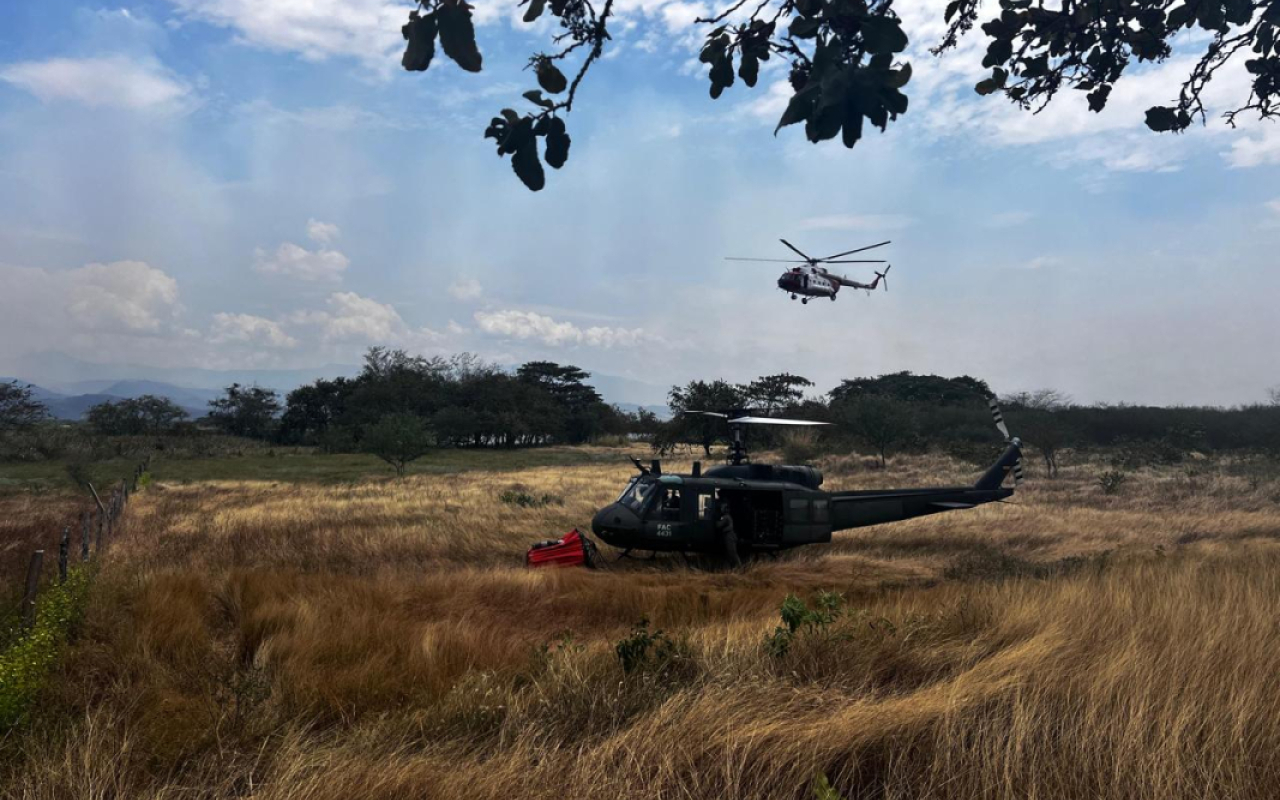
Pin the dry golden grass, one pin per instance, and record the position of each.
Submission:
(383, 639)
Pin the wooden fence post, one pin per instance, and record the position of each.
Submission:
(64, 548)
(33, 586)
(84, 535)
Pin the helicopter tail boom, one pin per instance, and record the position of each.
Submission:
(861, 508)
(994, 477)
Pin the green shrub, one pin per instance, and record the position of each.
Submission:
(797, 617)
(25, 664)
(1111, 481)
(526, 500)
(646, 650)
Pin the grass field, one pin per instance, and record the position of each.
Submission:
(315, 630)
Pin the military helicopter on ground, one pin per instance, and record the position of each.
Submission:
(813, 280)
(739, 508)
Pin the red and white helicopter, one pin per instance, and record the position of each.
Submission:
(809, 279)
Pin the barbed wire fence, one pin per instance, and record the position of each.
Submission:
(97, 529)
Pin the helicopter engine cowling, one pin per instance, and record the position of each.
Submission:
(806, 476)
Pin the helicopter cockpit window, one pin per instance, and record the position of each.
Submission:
(637, 495)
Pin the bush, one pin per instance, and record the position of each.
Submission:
(25, 664)
(647, 651)
(799, 450)
(797, 617)
(526, 500)
(1111, 481)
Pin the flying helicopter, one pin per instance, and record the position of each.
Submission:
(739, 508)
(810, 279)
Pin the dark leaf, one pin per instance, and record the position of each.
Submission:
(883, 35)
(800, 107)
(534, 10)
(458, 36)
(894, 101)
(721, 75)
(527, 166)
(986, 87)
(824, 123)
(557, 143)
(808, 8)
(1098, 98)
(1239, 12)
(1180, 17)
(952, 8)
(899, 77)
(851, 132)
(749, 70)
(551, 78)
(519, 133)
(534, 96)
(420, 33)
(1163, 118)
(805, 27)
(998, 52)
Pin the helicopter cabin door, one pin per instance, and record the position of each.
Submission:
(808, 519)
(673, 511)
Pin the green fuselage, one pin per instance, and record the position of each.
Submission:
(772, 507)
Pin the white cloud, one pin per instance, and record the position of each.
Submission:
(122, 297)
(322, 232)
(109, 82)
(125, 308)
(466, 289)
(531, 325)
(1256, 151)
(353, 318)
(856, 222)
(248, 329)
(295, 261)
(362, 318)
(368, 30)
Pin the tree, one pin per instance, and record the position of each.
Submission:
(715, 396)
(245, 411)
(929, 389)
(846, 71)
(1037, 418)
(774, 393)
(398, 439)
(135, 416)
(310, 410)
(18, 407)
(1273, 396)
(878, 423)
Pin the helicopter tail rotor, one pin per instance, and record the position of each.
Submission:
(883, 277)
(1013, 442)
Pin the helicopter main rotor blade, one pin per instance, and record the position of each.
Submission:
(859, 250)
(855, 261)
(797, 250)
(777, 260)
(709, 414)
(772, 421)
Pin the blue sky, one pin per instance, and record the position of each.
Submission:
(256, 183)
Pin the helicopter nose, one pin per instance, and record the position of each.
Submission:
(613, 520)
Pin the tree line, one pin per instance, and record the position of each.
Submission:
(401, 405)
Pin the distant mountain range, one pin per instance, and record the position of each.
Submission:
(70, 386)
